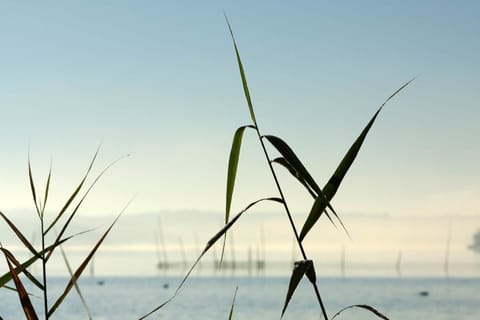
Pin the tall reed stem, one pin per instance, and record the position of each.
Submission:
(44, 271)
(290, 218)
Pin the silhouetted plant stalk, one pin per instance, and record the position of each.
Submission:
(272, 170)
(291, 162)
(321, 204)
(16, 268)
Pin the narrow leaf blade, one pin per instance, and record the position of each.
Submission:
(298, 170)
(77, 287)
(81, 268)
(333, 184)
(232, 168)
(242, 74)
(27, 306)
(74, 194)
(32, 189)
(19, 234)
(299, 270)
(366, 307)
(19, 269)
(225, 228)
(230, 316)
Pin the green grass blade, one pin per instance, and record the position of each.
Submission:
(19, 269)
(74, 194)
(299, 270)
(298, 170)
(5, 278)
(77, 288)
(27, 306)
(333, 184)
(284, 163)
(232, 168)
(230, 316)
(242, 74)
(19, 234)
(232, 173)
(32, 189)
(47, 188)
(363, 306)
(83, 265)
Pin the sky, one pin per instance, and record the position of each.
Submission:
(158, 81)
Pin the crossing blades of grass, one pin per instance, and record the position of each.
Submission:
(77, 287)
(82, 267)
(299, 270)
(73, 195)
(27, 306)
(298, 170)
(333, 184)
(19, 268)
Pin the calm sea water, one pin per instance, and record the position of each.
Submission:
(261, 298)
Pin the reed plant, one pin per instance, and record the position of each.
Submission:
(321, 197)
(62, 220)
(286, 159)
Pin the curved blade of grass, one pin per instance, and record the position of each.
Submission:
(231, 222)
(209, 244)
(19, 268)
(32, 188)
(19, 234)
(333, 184)
(233, 304)
(284, 163)
(232, 173)
(299, 171)
(232, 167)
(74, 194)
(363, 306)
(242, 74)
(77, 288)
(81, 268)
(5, 278)
(27, 306)
(65, 226)
(47, 187)
(299, 270)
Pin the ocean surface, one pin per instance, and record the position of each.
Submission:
(259, 297)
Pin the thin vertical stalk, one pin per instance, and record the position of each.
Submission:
(44, 271)
(290, 218)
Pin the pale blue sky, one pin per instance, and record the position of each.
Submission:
(159, 81)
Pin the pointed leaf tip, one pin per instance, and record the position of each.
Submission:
(300, 268)
(333, 184)
(242, 75)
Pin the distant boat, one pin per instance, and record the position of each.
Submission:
(423, 293)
